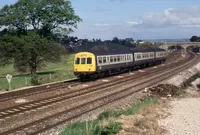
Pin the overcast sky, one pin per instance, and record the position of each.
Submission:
(139, 19)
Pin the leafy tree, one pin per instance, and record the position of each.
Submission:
(32, 27)
(195, 39)
(45, 16)
(28, 51)
(146, 45)
(115, 40)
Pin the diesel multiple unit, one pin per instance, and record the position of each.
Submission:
(95, 64)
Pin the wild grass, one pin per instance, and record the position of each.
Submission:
(53, 72)
(191, 79)
(96, 127)
(180, 92)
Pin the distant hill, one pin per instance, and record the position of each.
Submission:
(168, 40)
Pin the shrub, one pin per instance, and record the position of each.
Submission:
(111, 129)
(35, 80)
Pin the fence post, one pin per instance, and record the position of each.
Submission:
(26, 82)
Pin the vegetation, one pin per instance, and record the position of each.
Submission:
(95, 127)
(195, 39)
(180, 92)
(30, 37)
(191, 79)
(44, 16)
(111, 129)
(52, 72)
(27, 51)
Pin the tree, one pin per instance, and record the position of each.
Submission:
(115, 40)
(40, 15)
(29, 51)
(195, 39)
(32, 30)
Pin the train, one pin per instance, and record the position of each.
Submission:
(96, 64)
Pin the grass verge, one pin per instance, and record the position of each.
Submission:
(96, 127)
(191, 79)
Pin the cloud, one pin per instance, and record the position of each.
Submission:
(105, 25)
(169, 23)
(133, 23)
(184, 17)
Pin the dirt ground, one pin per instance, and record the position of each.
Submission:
(184, 116)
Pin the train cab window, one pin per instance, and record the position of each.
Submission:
(104, 59)
(83, 60)
(111, 59)
(100, 60)
(77, 61)
(89, 60)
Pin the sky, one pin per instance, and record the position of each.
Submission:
(137, 19)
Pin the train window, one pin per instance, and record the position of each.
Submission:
(77, 61)
(108, 59)
(121, 58)
(118, 58)
(111, 59)
(89, 60)
(83, 60)
(125, 57)
(100, 60)
(104, 59)
(115, 58)
(130, 57)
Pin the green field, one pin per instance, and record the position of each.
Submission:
(51, 73)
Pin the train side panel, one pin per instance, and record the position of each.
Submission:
(141, 58)
(110, 62)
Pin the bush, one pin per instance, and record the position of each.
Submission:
(35, 80)
(109, 113)
(111, 129)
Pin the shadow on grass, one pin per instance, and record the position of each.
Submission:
(38, 73)
(46, 72)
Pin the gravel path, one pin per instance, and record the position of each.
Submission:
(184, 118)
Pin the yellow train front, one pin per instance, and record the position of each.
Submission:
(84, 65)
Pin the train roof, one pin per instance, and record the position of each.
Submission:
(110, 52)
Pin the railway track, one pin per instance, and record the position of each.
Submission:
(37, 90)
(149, 79)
